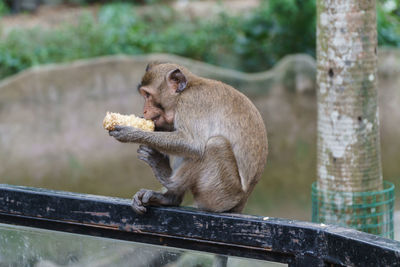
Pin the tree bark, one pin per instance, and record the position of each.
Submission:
(348, 120)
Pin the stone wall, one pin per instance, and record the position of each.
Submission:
(51, 126)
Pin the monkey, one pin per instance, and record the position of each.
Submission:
(209, 139)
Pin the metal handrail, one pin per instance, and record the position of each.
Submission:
(272, 239)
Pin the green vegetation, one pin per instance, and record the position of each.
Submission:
(3, 8)
(389, 23)
(252, 42)
(277, 28)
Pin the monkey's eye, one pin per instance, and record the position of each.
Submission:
(159, 106)
(146, 95)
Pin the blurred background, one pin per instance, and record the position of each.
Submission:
(63, 64)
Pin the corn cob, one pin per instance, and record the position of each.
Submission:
(113, 119)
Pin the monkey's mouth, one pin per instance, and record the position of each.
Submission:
(161, 126)
(155, 119)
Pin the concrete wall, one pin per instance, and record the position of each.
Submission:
(51, 126)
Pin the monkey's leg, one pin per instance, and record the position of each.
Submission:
(219, 187)
(220, 178)
(176, 185)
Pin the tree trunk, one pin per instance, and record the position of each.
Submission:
(348, 120)
(348, 123)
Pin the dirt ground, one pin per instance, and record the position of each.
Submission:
(45, 17)
(50, 16)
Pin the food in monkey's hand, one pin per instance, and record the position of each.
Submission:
(113, 119)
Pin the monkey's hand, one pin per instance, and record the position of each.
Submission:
(158, 162)
(126, 134)
(154, 158)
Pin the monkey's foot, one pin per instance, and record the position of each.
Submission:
(137, 203)
(145, 197)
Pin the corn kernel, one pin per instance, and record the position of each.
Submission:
(112, 119)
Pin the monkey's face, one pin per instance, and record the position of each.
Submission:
(160, 87)
(154, 110)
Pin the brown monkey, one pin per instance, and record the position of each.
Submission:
(209, 139)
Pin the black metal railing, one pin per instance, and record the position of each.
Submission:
(271, 239)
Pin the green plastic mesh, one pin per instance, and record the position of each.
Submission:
(370, 212)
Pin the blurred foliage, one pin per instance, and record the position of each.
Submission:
(250, 42)
(388, 12)
(3, 8)
(277, 28)
(111, 1)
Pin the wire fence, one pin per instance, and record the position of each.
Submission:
(371, 211)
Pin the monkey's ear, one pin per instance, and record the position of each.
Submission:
(148, 67)
(176, 80)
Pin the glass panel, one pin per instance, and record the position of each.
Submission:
(24, 246)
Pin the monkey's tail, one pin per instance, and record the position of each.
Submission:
(220, 261)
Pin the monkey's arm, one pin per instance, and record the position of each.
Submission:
(175, 143)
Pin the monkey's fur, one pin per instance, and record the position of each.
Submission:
(209, 139)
